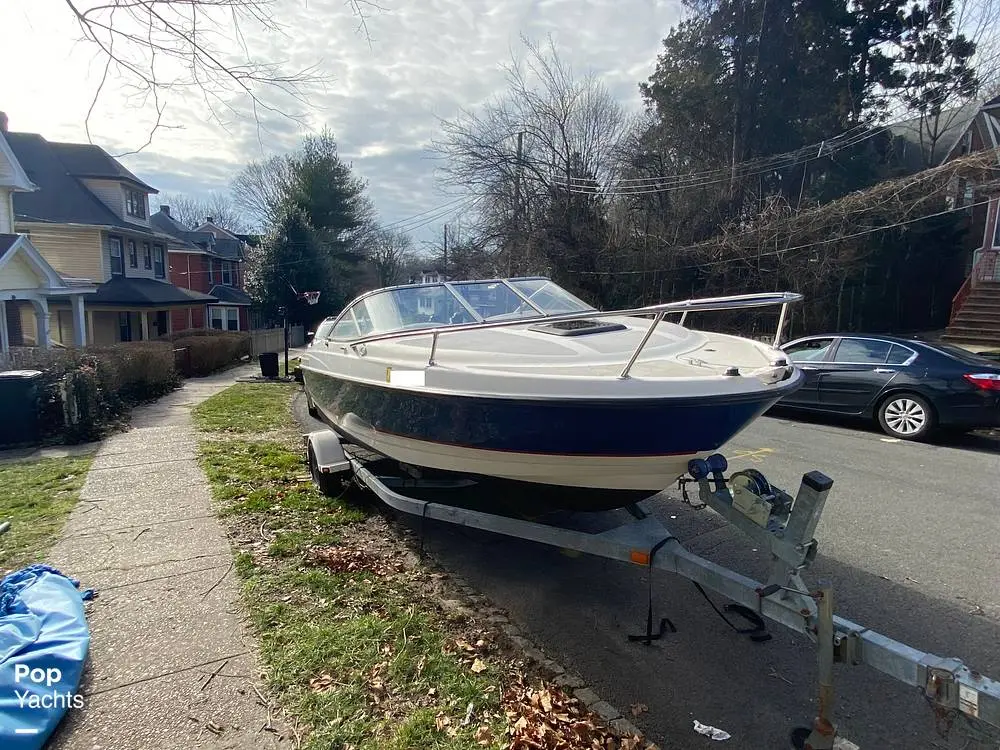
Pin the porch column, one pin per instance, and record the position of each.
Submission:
(79, 321)
(90, 326)
(4, 335)
(42, 322)
(144, 324)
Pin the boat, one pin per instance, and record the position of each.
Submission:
(520, 381)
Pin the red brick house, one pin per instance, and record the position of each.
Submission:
(210, 260)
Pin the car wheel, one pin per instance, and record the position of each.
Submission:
(906, 416)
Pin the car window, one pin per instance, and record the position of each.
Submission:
(862, 352)
(808, 351)
(898, 355)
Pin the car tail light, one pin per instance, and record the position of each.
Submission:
(988, 381)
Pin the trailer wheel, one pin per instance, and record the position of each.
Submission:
(325, 483)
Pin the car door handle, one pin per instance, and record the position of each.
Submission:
(883, 370)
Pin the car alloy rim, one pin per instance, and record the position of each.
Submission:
(905, 416)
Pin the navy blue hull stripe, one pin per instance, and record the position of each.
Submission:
(653, 427)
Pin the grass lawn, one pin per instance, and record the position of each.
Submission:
(36, 497)
(246, 408)
(352, 650)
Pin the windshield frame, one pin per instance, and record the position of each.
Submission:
(460, 299)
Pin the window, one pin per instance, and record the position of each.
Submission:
(115, 252)
(863, 352)
(899, 355)
(812, 350)
(159, 267)
(133, 255)
(135, 204)
(147, 256)
(227, 273)
(225, 318)
(124, 326)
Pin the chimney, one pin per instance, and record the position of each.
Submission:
(165, 210)
(210, 219)
(3, 122)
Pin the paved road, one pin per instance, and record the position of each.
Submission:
(910, 539)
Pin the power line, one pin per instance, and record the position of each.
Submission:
(771, 253)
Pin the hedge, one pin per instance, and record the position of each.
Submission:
(200, 353)
(84, 392)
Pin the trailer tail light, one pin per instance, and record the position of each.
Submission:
(988, 381)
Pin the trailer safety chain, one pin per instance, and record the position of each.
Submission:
(665, 622)
(682, 484)
(758, 633)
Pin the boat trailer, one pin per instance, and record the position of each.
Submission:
(778, 524)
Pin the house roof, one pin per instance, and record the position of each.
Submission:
(90, 161)
(195, 241)
(7, 242)
(140, 292)
(941, 134)
(230, 296)
(17, 178)
(228, 249)
(62, 198)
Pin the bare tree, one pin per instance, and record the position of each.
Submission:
(192, 212)
(548, 126)
(159, 47)
(388, 251)
(261, 188)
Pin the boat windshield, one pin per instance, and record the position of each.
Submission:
(432, 305)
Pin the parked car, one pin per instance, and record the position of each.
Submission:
(909, 387)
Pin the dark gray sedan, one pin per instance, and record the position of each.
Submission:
(909, 387)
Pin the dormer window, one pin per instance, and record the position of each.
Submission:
(135, 203)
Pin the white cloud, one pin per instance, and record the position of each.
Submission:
(426, 60)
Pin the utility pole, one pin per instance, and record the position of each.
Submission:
(445, 269)
(517, 189)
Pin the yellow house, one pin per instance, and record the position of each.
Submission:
(88, 218)
(30, 288)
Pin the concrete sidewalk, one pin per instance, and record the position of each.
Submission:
(167, 616)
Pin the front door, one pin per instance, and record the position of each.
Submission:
(160, 324)
(809, 356)
(858, 373)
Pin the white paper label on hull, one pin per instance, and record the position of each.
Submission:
(404, 377)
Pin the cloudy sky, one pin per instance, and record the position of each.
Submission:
(383, 97)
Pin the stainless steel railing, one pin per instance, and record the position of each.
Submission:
(707, 304)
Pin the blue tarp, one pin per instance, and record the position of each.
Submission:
(44, 639)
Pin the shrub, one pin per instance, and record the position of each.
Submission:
(203, 352)
(96, 386)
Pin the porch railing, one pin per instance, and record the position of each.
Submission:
(984, 269)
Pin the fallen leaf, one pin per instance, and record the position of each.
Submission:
(639, 709)
(478, 666)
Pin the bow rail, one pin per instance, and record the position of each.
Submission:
(706, 304)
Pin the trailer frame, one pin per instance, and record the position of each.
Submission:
(776, 522)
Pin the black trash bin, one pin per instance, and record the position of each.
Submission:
(19, 406)
(269, 364)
